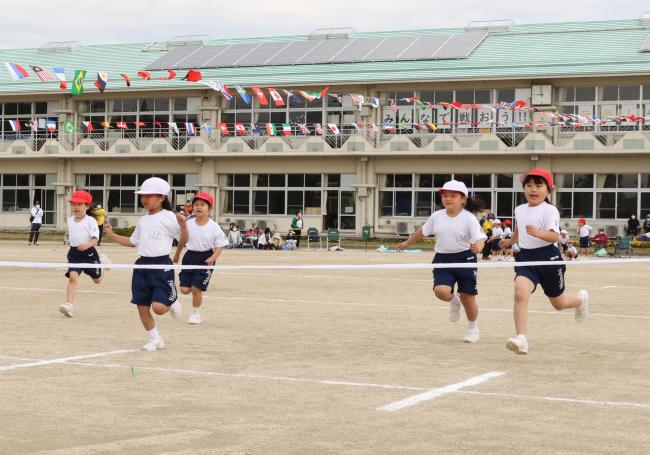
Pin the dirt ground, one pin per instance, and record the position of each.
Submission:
(302, 361)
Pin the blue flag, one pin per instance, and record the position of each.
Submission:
(242, 92)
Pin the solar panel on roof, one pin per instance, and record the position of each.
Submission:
(229, 56)
(260, 54)
(171, 58)
(357, 50)
(198, 58)
(460, 45)
(292, 53)
(324, 51)
(391, 48)
(424, 47)
(645, 47)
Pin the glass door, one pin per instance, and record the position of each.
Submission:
(341, 210)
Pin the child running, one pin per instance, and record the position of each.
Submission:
(459, 238)
(205, 244)
(154, 289)
(83, 233)
(537, 232)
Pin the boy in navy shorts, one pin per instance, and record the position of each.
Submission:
(537, 231)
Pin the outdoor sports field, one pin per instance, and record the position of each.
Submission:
(320, 361)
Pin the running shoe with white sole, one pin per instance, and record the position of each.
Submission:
(195, 317)
(582, 310)
(176, 309)
(518, 344)
(454, 308)
(154, 344)
(66, 309)
(104, 260)
(472, 335)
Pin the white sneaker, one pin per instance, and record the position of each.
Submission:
(195, 317)
(582, 310)
(154, 344)
(104, 260)
(518, 344)
(472, 335)
(176, 309)
(66, 309)
(454, 308)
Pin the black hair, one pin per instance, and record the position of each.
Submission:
(473, 205)
(166, 205)
(537, 180)
(194, 199)
(91, 211)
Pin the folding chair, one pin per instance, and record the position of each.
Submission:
(333, 236)
(623, 246)
(314, 236)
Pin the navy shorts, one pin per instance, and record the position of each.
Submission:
(584, 242)
(199, 278)
(153, 285)
(90, 256)
(465, 278)
(550, 277)
(495, 245)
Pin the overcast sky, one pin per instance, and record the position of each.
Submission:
(31, 23)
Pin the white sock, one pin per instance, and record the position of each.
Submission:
(153, 334)
(472, 324)
(196, 310)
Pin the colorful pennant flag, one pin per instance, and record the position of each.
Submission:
(333, 128)
(146, 75)
(393, 106)
(373, 127)
(15, 125)
(78, 82)
(374, 102)
(51, 126)
(126, 78)
(43, 74)
(323, 92)
(102, 80)
(260, 96)
(105, 124)
(121, 125)
(432, 126)
(16, 71)
(357, 99)
(239, 129)
(223, 128)
(207, 128)
(189, 127)
(309, 96)
(87, 126)
(139, 124)
(318, 129)
(246, 98)
(59, 72)
(33, 124)
(193, 76)
(286, 129)
(225, 92)
(304, 129)
(270, 129)
(68, 127)
(171, 75)
(276, 97)
(173, 126)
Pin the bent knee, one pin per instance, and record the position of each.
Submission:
(186, 290)
(159, 308)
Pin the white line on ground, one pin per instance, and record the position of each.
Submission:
(435, 393)
(623, 404)
(39, 363)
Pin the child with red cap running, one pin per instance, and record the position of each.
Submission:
(83, 233)
(537, 230)
(459, 239)
(204, 246)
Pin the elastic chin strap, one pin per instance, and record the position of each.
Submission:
(160, 202)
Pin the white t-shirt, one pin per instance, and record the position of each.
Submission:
(261, 240)
(497, 233)
(453, 234)
(206, 237)
(584, 231)
(153, 235)
(544, 217)
(564, 240)
(572, 250)
(506, 232)
(37, 213)
(83, 231)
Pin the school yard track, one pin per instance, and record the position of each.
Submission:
(314, 361)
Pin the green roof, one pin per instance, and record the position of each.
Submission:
(570, 49)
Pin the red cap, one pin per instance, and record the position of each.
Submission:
(539, 173)
(582, 220)
(204, 197)
(507, 222)
(83, 197)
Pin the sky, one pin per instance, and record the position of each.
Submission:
(32, 23)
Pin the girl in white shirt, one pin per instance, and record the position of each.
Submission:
(205, 244)
(497, 235)
(537, 229)
(459, 238)
(154, 289)
(84, 234)
(584, 233)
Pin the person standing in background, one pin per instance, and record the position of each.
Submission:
(36, 218)
(100, 216)
(296, 226)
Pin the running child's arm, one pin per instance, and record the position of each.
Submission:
(412, 239)
(119, 239)
(215, 255)
(547, 236)
(182, 241)
(91, 243)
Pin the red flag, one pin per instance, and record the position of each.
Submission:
(277, 99)
(140, 124)
(88, 126)
(146, 75)
(239, 128)
(457, 104)
(122, 125)
(520, 103)
(260, 96)
(193, 76)
(324, 91)
(158, 124)
(171, 75)
(126, 79)
(223, 128)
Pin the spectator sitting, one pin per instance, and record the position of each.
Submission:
(276, 241)
(632, 226)
(234, 237)
(571, 252)
(646, 225)
(564, 240)
(290, 241)
(600, 240)
(264, 240)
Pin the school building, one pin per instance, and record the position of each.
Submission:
(405, 111)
